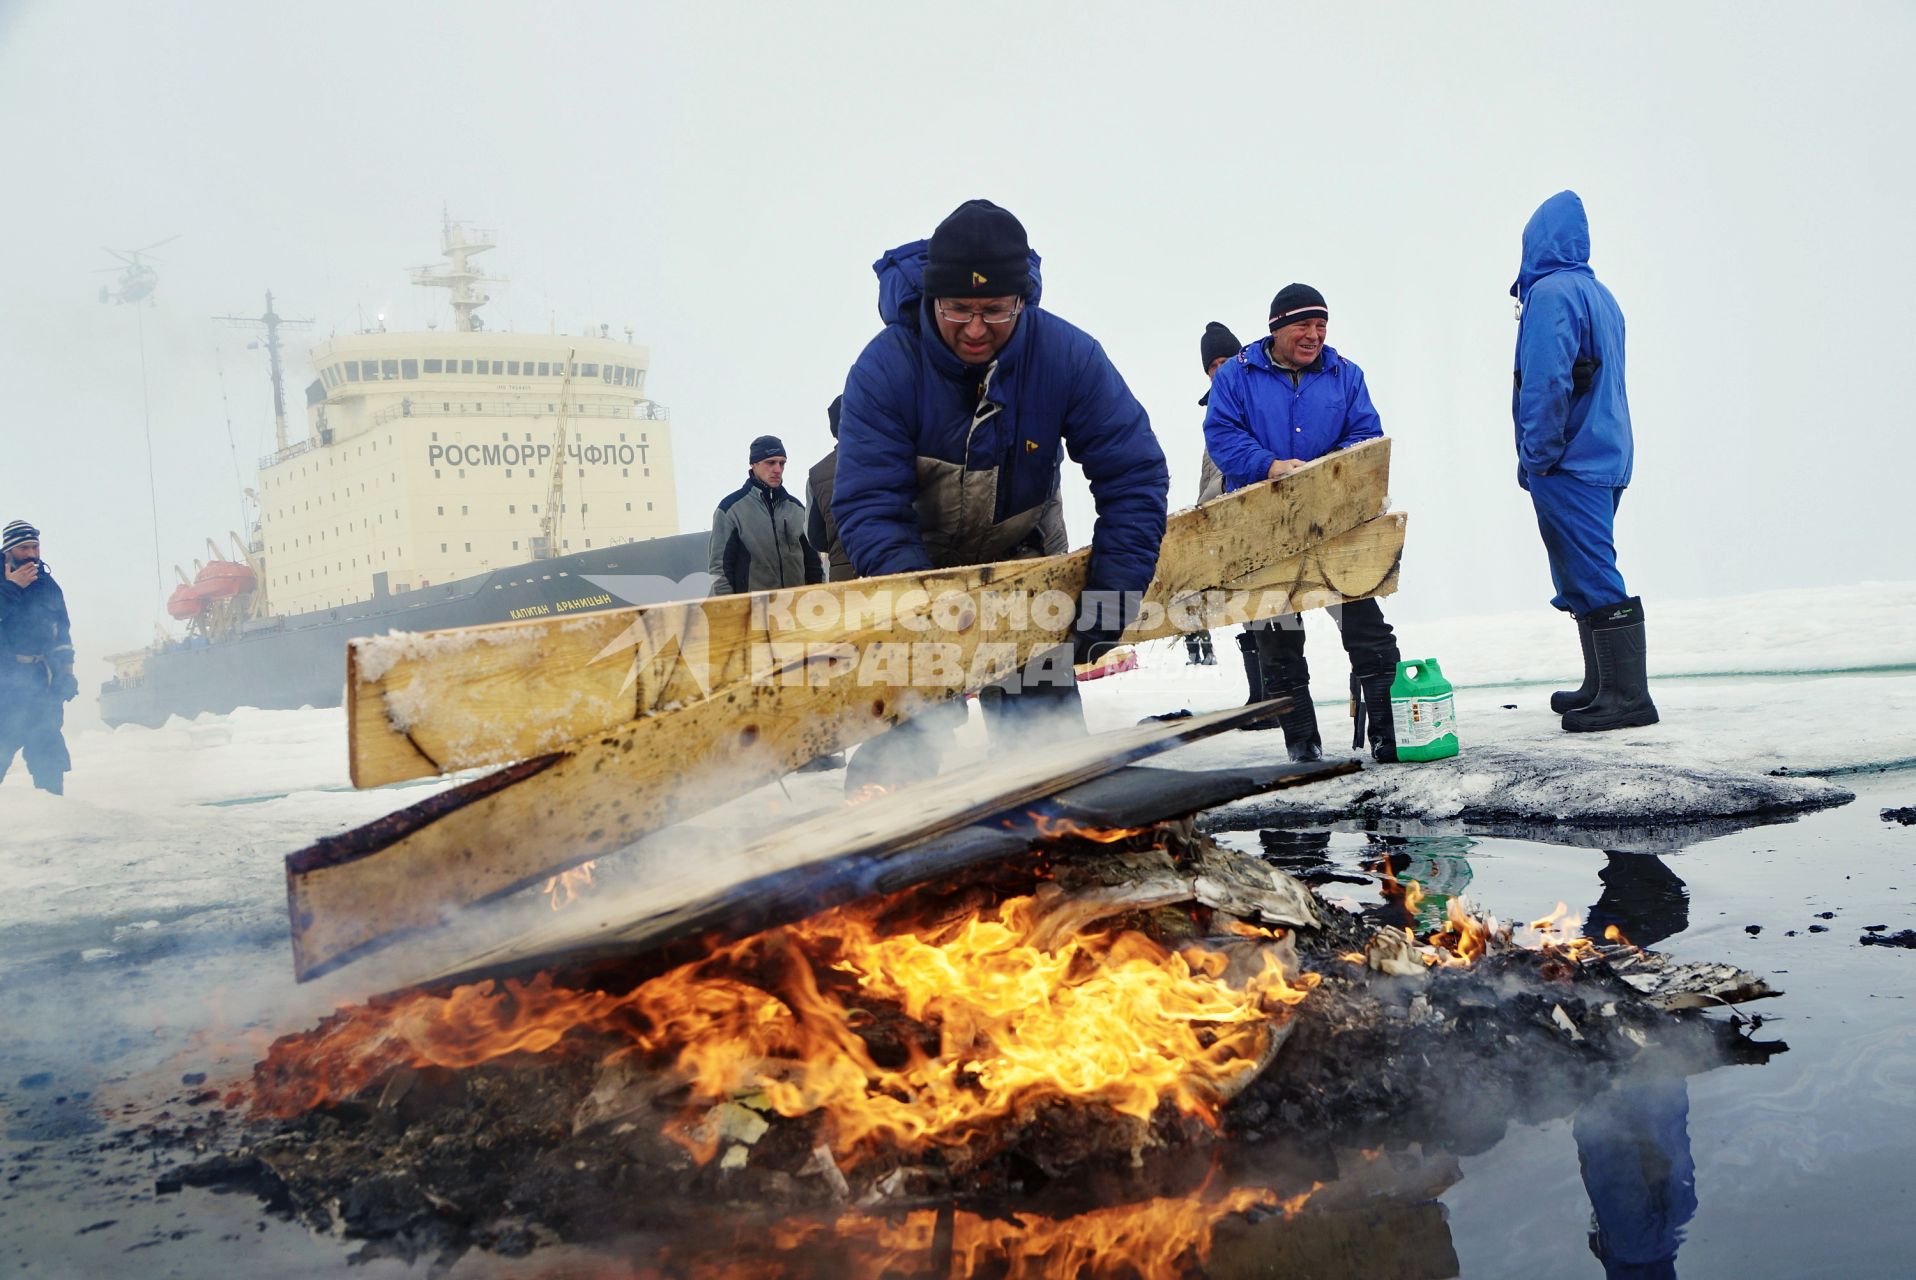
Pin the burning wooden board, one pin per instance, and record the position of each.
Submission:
(727, 696)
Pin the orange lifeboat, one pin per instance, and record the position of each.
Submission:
(186, 603)
(222, 580)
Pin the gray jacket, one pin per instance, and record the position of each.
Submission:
(759, 543)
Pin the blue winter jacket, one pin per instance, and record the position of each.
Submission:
(1256, 416)
(1568, 401)
(942, 464)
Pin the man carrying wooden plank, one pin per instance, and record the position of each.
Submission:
(950, 438)
(1275, 406)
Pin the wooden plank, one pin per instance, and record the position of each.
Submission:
(350, 894)
(443, 701)
(561, 808)
(681, 908)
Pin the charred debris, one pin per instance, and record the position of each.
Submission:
(1105, 1027)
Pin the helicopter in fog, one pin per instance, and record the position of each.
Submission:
(137, 276)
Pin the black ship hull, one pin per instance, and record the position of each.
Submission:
(300, 660)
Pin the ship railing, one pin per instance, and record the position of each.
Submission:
(644, 411)
(290, 451)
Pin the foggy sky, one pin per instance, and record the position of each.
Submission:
(719, 177)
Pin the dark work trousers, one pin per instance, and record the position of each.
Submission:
(1038, 705)
(1578, 523)
(1368, 639)
(30, 724)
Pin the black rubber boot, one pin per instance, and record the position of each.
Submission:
(1370, 707)
(1288, 675)
(1570, 699)
(1623, 685)
(1255, 673)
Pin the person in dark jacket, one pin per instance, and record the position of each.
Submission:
(1574, 456)
(820, 527)
(36, 661)
(1216, 346)
(1274, 406)
(758, 532)
(955, 421)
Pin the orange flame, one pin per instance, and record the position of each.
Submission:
(569, 886)
(1114, 1019)
(1161, 1237)
(1053, 828)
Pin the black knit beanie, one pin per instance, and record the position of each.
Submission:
(979, 251)
(1295, 302)
(831, 413)
(767, 447)
(1217, 341)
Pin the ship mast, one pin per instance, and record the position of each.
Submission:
(546, 545)
(272, 322)
(459, 275)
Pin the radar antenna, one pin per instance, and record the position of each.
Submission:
(459, 275)
(272, 322)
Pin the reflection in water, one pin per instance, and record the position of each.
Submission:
(1633, 1145)
(1641, 897)
(1438, 866)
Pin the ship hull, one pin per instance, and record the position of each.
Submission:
(300, 660)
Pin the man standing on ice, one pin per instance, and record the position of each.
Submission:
(1574, 454)
(954, 421)
(36, 661)
(758, 540)
(1275, 406)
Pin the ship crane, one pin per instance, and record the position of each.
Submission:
(551, 521)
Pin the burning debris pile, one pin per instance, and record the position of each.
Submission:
(1090, 1015)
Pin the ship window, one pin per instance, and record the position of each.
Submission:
(498, 366)
(589, 371)
(352, 372)
(545, 369)
(508, 473)
(621, 437)
(462, 473)
(463, 511)
(512, 509)
(409, 368)
(609, 374)
(625, 471)
(465, 366)
(468, 546)
(435, 473)
(369, 370)
(389, 369)
(434, 366)
(442, 546)
(648, 506)
(588, 542)
(628, 506)
(512, 368)
(442, 511)
(535, 508)
(515, 544)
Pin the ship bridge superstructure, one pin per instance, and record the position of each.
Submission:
(429, 456)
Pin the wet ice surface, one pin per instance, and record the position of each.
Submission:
(142, 940)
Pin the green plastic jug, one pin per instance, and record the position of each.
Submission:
(1423, 711)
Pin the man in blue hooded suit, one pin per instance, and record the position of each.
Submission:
(954, 422)
(1574, 454)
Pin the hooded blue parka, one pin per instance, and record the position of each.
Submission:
(941, 463)
(1571, 413)
(1255, 416)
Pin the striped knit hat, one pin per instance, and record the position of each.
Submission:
(1296, 303)
(16, 533)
